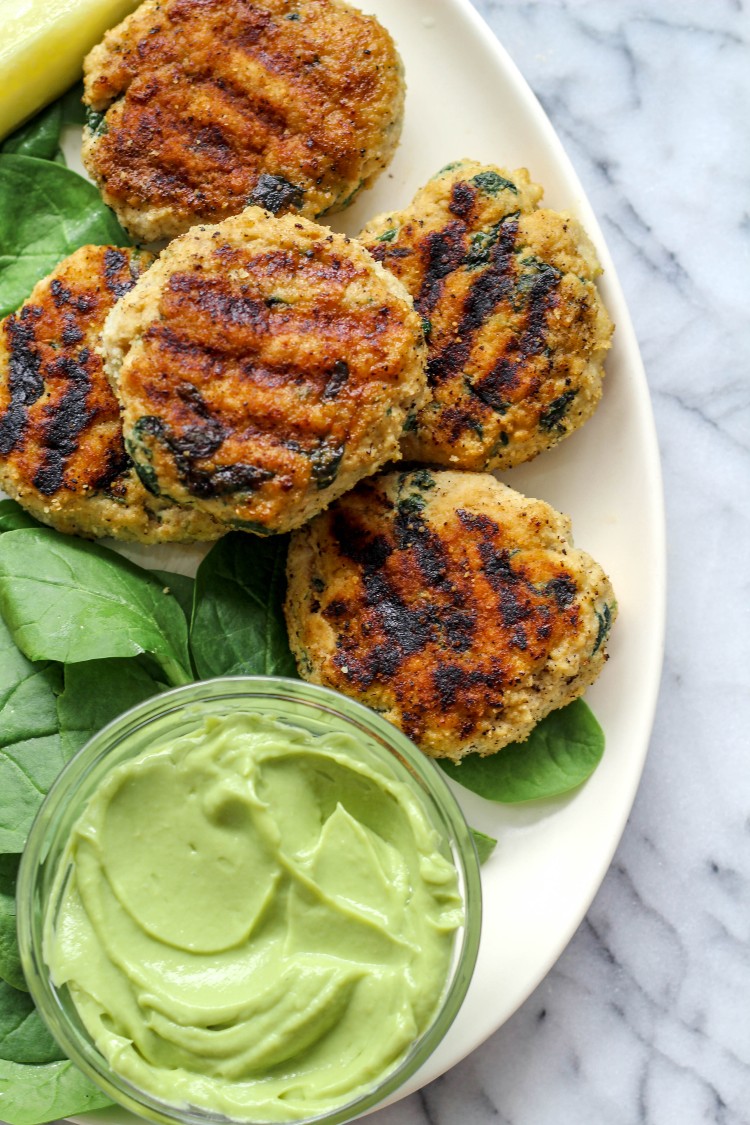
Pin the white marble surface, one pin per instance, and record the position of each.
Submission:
(646, 1016)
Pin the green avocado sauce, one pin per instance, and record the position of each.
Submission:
(256, 921)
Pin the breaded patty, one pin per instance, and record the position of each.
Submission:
(264, 365)
(198, 108)
(453, 605)
(61, 449)
(517, 332)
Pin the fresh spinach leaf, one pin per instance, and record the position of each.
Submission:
(46, 212)
(559, 754)
(23, 1036)
(493, 183)
(8, 873)
(30, 1095)
(484, 844)
(39, 137)
(30, 752)
(73, 112)
(238, 622)
(13, 517)
(69, 600)
(10, 961)
(97, 691)
(180, 587)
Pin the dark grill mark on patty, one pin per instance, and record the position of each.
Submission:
(442, 618)
(463, 197)
(203, 437)
(452, 622)
(510, 587)
(382, 251)
(222, 305)
(69, 417)
(503, 378)
(229, 478)
(563, 589)
(116, 264)
(541, 295)
(524, 609)
(451, 681)
(406, 631)
(456, 420)
(193, 444)
(495, 388)
(411, 532)
(61, 295)
(71, 333)
(25, 381)
(255, 109)
(118, 463)
(476, 521)
(491, 287)
(276, 194)
(443, 252)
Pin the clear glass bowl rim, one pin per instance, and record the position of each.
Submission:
(57, 807)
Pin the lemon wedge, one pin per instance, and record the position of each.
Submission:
(42, 49)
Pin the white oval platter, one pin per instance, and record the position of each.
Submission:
(467, 99)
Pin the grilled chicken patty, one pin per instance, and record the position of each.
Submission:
(451, 604)
(264, 366)
(198, 108)
(517, 332)
(61, 449)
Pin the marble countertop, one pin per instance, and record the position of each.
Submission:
(646, 1016)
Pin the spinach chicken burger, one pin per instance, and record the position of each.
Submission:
(456, 607)
(516, 328)
(264, 365)
(198, 108)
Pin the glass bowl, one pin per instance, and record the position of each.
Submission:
(299, 707)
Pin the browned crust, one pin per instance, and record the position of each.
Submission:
(59, 421)
(62, 453)
(516, 330)
(268, 365)
(454, 606)
(209, 99)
